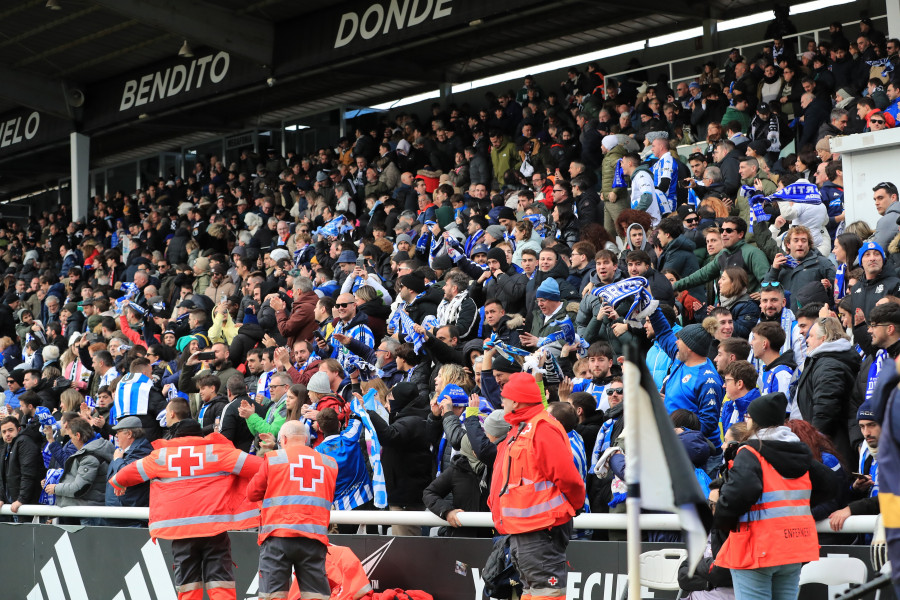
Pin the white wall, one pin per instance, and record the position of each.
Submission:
(868, 159)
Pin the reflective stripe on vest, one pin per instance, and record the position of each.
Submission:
(296, 501)
(186, 522)
(778, 529)
(529, 502)
(537, 509)
(302, 527)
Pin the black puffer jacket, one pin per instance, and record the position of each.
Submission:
(406, 453)
(458, 486)
(824, 390)
(426, 305)
(22, 481)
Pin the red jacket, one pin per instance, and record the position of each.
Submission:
(296, 487)
(535, 484)
(197, 486)
(301, 323)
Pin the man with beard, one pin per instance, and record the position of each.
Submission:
(220, 366)
(773, 309)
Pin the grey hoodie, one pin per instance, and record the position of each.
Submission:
(84, 477)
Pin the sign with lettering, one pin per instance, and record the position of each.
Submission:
(24, 129)
(164, 85)
(354, 28)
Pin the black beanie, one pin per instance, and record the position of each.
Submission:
(499, 255)
(504, 365)
(768, 410)
(414, 282)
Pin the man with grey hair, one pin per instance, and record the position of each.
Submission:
(296, 487)
(815, 114)
(277, 413)
(131, 445)
(300, 323)
(838, 121)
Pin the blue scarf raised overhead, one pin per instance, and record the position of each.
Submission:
(802, 192)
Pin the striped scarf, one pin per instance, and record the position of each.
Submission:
(132, 396)
(378, 482)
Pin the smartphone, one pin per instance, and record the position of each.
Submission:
(206, 356)
(860, 476)
(361, 262)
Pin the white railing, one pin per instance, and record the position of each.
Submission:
(854, 524)
(693, 58)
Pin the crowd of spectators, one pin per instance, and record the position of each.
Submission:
(425, 260)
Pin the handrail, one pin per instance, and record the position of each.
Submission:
(853, 524)
(740, 48)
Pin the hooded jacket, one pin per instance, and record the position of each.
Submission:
(886, 228)
(646, 246)
(406, 453)
(23, 471)
(866, 293)
(824, 389)
(679, 256)
(787, 455)
(84, 477)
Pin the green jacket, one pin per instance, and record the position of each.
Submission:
(733, 114)
(504, 158)
(608, 169)
(755, 263)
(275, 418)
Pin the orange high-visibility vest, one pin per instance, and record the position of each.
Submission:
(526, 501)
(197, 486)
(299, 485)
(778, 530)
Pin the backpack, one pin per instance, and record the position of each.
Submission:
(499, 574)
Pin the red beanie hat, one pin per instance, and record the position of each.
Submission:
(522, 388)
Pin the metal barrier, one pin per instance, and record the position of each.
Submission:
(670, 65)
(854, 524)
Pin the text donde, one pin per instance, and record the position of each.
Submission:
(381, 17)
(15, 130)
(175, 80)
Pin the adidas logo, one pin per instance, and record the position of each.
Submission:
(71, 585)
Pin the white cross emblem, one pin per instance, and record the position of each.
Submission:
(312, 473)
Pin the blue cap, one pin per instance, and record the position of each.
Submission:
(549, 290)
(456, 394)
(347, 256)
(479, 249)
(869, 246)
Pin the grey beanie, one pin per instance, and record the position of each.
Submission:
(496, 231)
(495, 425)
(696, 338)
(319, 383)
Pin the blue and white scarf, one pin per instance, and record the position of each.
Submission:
(886, 65)
(874, 370)
(472, 241)
(506, 351)
(378, 482)
(131, 291)
(633, 288)
(334, 228)
(566, 334)
(864, 453)
(840, 282)
(407, 325)
(802, 192)
(619, 176)
(132, 396)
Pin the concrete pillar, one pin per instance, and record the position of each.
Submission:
(342, 120)
(893, 17)
(710, 34)
(446, 94)
(79, 155)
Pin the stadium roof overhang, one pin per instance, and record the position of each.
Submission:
(110, 68)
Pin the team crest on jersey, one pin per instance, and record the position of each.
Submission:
(686, 378)
(880, 288)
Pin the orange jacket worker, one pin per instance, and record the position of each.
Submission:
(296, 487)
(535, 490)
(197, 494)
